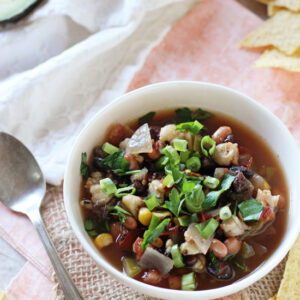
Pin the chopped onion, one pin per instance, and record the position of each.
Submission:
(152, 259)
(140, 141)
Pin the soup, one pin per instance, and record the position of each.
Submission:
(184, 200)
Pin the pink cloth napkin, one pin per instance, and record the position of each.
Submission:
(203, 46)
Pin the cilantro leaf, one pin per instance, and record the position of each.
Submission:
(201, 115)
(84, 168)
(152, 235)
(146, 118)
(183, 115)
(174, 204)
(119, 212)
(116, 161)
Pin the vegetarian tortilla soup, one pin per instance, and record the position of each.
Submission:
(184, 199)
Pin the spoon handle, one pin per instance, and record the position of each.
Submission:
(65, 282)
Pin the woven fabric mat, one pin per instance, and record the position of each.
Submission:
(95, 283)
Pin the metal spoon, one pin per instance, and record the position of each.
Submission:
(22, 189)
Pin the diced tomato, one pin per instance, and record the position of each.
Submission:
(117, 134)
(171, 230)
(155, 154)
(152, 277)
(267, 214)
(126, 239)
(137, 248)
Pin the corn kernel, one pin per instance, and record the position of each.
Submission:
(145, 216)
(103, 240)
(2, 295)
(158, 243)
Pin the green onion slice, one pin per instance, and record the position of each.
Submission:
(109, 148)
(84, 168)
(89, 224)
(168, 181)
(207, 228)
(225, 213)
(172, 154)
(180, 145)
(250, 210)
(193, 127)
(152, 235)
(188, 282)
(208, 141)
(194, 199)
(194, 164)
(161, 162)
(107, 186)
(177, 257)
(211, 182)
(184, 156)
(185, 221)
(151, 202)
(129, 190)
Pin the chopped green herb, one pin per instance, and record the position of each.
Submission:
(183, 115)
(187, 186)
(212, 197)
(214, 261)
(172, 154)
(84, 168)
(177, 175)
(184, 156)
(208, 141)
(154, 222)
(146, 118)
(185, 221)
(107, 186)
(174, 204)
(180, 145)
(201, 115)
(161, 162)
(122, 173)
(129, 190)
(225, 213)
(207, 228)
(92, 233)
(194, 199)
(250, 210)
(188, 282)
(241, 265)
(89, 224)
(193, 127)
(168, 181)
(116, 161)
(194, 164)
(109, 148)
(151, 202)
(152, 235)
(211, 182)
(120, 212)
(177, 257)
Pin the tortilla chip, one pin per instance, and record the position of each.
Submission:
(272, 298)
(264, 1)
(290, 284)
(273, 9)
(290, 4)
(2, 295)
(281, 31)
(275, 59)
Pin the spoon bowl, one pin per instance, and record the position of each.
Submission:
(22, 189)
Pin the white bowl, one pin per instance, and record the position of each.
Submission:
(207, 96)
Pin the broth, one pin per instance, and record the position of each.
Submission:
(265, 243)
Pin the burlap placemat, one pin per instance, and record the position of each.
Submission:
(94, 283)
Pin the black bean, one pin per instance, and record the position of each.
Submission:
(154, 132)
(230, 138)
(98, 152)
(248, 173)
(97, 164)
(190, 260)
(208, 163)
(240, 183)
(225, 270)
(140, 188)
